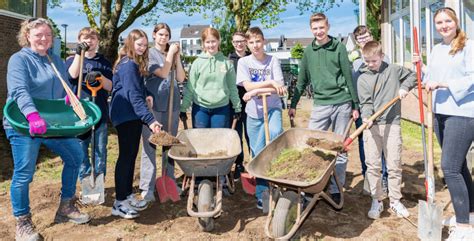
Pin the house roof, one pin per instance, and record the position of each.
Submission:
(192, 31)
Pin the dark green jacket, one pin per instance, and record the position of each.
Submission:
(328, 69)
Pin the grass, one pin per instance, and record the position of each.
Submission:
(412, 139)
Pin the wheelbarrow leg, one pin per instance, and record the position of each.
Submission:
(340, 188)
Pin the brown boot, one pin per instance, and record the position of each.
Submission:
(25, 230)
(68, 212)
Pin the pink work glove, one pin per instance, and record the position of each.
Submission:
(66, 100)
(37, 124)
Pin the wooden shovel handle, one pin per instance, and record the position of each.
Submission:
(371, 118)
(265, 116)
(79, 82)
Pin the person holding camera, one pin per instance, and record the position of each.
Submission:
(95, 68)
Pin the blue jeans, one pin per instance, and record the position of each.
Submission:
(360, 138)
(455, 136)
(100, 152)
(25, 153)
(203, 117)
(256, 132)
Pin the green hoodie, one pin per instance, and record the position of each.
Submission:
(211, 83)
(329, 70)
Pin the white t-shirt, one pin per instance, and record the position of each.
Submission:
(251, 69)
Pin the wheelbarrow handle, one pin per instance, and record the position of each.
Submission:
(94, 89)
(372, 118)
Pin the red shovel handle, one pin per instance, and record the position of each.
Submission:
(418, 77)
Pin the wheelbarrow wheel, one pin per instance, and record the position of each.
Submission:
(205, 201)
(285, 214)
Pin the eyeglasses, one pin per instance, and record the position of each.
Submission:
(239, 42)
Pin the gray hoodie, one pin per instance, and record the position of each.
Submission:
(377, 88)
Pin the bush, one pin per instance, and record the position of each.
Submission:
(297, 51)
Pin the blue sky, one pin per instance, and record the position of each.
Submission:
(342, 20)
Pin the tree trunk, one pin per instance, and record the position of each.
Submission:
(109, 45)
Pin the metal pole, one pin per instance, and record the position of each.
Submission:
(362, 12)
(65, 40)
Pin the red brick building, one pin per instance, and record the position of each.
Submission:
(12, 13)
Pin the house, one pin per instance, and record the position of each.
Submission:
(190, 39)
(12, 13)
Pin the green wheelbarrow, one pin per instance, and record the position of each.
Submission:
(60, 118)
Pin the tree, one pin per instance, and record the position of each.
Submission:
(297, 51)
(240, 13)
(114, 17)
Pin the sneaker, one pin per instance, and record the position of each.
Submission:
(376, 209)
(399, 209)
(124, 210)
(137, 205)
(25, 230)
(451, 221)
(260, 204)
(458, 233)
(238, 169)
(68, 212)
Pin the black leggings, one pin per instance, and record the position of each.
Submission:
(455, 135)
(129, 141)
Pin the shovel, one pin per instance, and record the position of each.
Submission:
(93, 186)
(429, 214)
(249, 182)
(165, 185)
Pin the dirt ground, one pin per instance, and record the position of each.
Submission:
(240, 219)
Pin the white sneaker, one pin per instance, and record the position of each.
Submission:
(451, 221)
(461, 233)
(376, 209)
(137, 205)
(123, 209)
(399, 209)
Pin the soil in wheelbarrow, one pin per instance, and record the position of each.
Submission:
(163, 138)
(218, 153)
(325, 144)
(300, 165)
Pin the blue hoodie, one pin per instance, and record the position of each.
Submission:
(128, 95)
(29, 76)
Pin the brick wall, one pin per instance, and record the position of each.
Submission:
(9, 28)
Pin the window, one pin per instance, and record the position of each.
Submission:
(191, 42)
(406, 39)
(198, 42)
(468, 17)
(184, 44)
(394, 6)
(396, 41)
(20, 7)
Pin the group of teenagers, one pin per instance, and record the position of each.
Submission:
(219, 89)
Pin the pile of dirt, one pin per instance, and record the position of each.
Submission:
(218, 153)
(325, 144)
(162, 138)
(300, 165)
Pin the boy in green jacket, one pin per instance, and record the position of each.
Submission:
(378, 84)
(326, 66)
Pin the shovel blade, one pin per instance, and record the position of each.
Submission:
(429, 221)
(172, 189)
(93, 190)
(249, 183)
(160, 186)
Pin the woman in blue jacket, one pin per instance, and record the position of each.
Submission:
(128, 110)
(30, 76)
